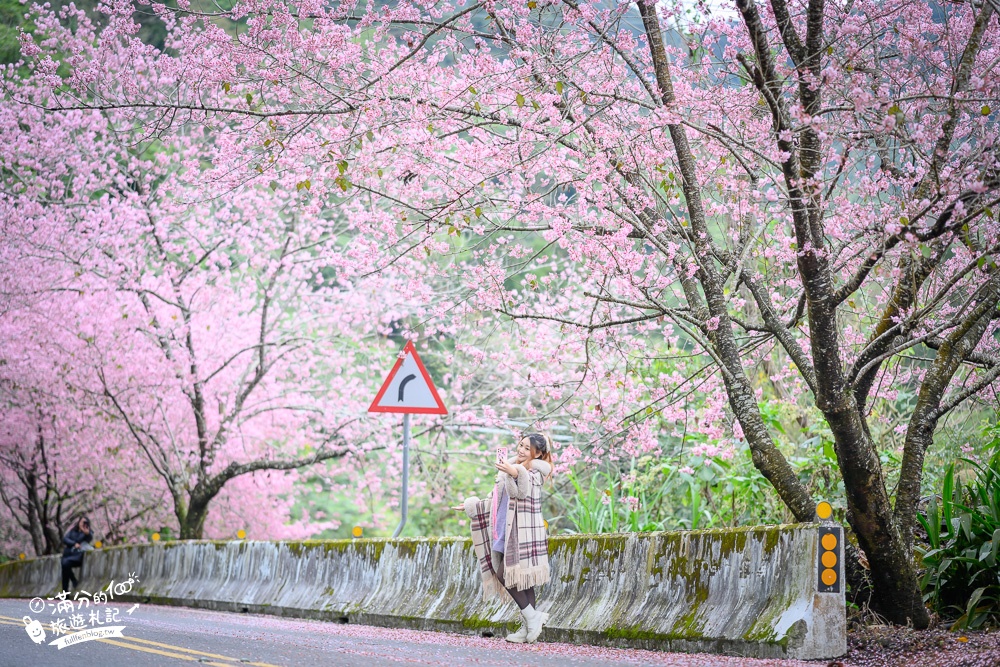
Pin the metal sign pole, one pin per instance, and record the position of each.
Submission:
(408, 389)
(406, 473)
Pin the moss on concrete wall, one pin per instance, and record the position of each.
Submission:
(746, 590)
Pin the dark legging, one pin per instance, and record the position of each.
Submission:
(67, 577)
(521, 598)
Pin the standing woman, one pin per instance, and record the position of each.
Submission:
(509, 534)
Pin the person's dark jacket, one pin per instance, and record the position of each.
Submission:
(73, 557)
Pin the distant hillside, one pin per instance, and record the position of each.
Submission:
(12, 13)
(11, 17)
(153, 30)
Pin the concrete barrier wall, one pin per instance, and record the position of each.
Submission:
(747, 591)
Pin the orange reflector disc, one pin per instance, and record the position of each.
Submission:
(829, 577)
(829, 559)
(829, 541)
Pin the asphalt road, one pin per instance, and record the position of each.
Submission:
(157, 636)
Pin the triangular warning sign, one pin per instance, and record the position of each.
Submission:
(408, 388)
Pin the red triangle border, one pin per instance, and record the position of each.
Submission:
(409, 348)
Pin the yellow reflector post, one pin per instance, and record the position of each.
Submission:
(21, 556)
(828, 567)
(156, 537)
(241, 533)
(356, 531)
(98, 544)
(824, 510)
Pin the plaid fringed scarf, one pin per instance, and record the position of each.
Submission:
(526, 551)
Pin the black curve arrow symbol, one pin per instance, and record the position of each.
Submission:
(402, 385)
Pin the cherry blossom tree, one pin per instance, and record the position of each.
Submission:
(229, 329)
(55, 469)
(203, 328)
(806, 184)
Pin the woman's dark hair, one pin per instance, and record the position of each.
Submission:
(541, 444)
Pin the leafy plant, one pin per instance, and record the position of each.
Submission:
(588, 513)
(962, 574)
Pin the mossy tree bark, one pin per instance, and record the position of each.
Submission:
(194, 503)
(714, 304)
(883, 532)
(840, 390)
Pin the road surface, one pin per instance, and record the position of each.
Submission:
(156, 636)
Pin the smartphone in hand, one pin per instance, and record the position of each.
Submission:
(501, 454)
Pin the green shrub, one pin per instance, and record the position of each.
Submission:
(962, 576)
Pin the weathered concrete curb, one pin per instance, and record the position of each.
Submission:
(746, 591)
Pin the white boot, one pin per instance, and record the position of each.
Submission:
(518, 637)
(533, 621)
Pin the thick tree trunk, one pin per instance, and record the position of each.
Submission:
(870, 514)
(181, 509)
(35, 529)
(53, 539)
(193, 525)
(869, 511)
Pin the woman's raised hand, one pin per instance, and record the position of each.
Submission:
(507, 468)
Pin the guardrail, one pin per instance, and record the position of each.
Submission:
(768, 591)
